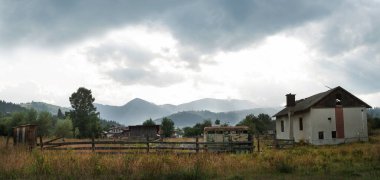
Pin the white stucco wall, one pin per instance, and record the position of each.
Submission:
(285, 134)
(299, 135)
(320, 122)
(317, 119)
(355, 124)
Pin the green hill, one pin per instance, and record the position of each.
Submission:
(41, 106)
(8, 107)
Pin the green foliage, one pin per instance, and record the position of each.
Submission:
(149, 122)
(217, 122)
(44, 122)
(259, 124)
(60, 114)
(197, 129)
(84, 114)
(105, 125)
(64, 128)
(167, 126)
(7, 108)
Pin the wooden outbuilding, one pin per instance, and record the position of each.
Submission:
(25, 134)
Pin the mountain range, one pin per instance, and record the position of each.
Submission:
(190, 118)
(41, 106)
(138, 110)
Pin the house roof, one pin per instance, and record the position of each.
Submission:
(306, 103)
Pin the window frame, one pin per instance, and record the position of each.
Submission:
(321, 135)
(333, 134)
(282, 126)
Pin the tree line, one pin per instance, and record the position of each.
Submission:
(257, 125)
(81, 122)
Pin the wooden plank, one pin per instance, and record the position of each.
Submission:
(121, 148)
(41, 143)
(145, 142)
(47, 142)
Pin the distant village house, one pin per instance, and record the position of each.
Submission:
(332, 117)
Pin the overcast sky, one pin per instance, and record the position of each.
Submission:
(178, 51)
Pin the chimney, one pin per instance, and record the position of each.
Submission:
(290, 100)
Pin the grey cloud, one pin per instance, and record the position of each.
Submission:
(55, 23)
(353, 24)
(349, 43)
(205, 26)
(134, 64)
(130, 76)
(225, 25)
(123, 53)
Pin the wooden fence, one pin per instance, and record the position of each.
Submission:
(147, 146)
(282, 143)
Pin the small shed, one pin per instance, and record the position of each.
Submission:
(226, 134)
(139, 131)
(25, 134)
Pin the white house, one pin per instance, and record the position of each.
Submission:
(332, 117)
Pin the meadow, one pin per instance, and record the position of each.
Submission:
(353, 161)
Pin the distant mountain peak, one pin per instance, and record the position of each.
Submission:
(137, 101)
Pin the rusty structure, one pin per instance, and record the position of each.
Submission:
(25, 135)
(141, 131)
(226, 134)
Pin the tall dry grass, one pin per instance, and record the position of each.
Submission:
(358, 160)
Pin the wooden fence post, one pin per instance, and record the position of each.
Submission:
(147, 144)
(6, 144)
(93, 143)
(197, 145)
(41, 143)
(258, 142)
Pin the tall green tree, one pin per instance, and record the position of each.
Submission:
(197, 129)
(31, 116)
(84, 115)
(259, 124)
(60, 114)
(149, 122)
(64, 128)
(44, 123)
(167, 126)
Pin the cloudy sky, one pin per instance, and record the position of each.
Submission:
(178, 51)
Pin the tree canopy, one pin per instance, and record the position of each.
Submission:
(84, 115)
(149, 122)
(197, 129)
(167, 126)
(64, 128)
(259, 124)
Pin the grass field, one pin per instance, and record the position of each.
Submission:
(354, 161)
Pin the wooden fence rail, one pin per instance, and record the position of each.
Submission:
(147, 145)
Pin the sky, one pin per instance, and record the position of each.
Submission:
(173, 51)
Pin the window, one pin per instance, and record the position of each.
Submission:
(301, 124)
(333, 134)
(320, 135)
(282, 126)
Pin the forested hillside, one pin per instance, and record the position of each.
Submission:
(8, 107)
